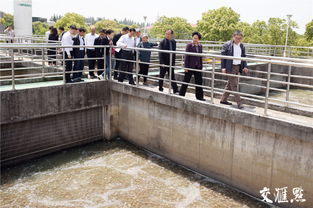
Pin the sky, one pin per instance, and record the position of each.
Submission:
(249, 10)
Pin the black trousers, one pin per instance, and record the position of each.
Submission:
(52, 55)
(126, 66)
(117, 65)
(91, 63)
(68, 67)
(198, 81)
(100, 65)
(79, 64)
(144, 68)
(163, 71)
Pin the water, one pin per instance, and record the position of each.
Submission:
(112, 174)
(295, 95)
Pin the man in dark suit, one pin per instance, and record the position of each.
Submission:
(100, 51)
(193, 62)
(124, 31)
(107, 41)
(169, 44)
(79, 53)
(234, 48)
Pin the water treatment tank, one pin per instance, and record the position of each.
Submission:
(23, 17)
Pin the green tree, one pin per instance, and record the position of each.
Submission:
(276, 32)
(108, 24)
(39, 28)
(7, 20)
(218, 24)
(309, 31)
(71, 19)
(182, 29)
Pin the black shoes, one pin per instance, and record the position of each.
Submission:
(225, 103)
(201, 99)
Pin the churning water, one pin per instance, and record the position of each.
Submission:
(112, 174)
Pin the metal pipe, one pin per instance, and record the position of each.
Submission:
(212, 80)
(267, 88)
(137, 67)
(170, 74)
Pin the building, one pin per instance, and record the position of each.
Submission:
(23, 17)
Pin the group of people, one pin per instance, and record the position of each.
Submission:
(125, 55)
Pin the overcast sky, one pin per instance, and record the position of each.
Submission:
(249, 10)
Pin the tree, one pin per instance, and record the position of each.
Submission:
(55, 18)
(7, 20)
(182, 29)
(108, 24)
(71, 19)
(276, 32)
(39, 28)
(309, 31)
(218, 24)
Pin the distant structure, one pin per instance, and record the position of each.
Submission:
(23, 17)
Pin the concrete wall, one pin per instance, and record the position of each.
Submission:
(38, 121)
(241, 149)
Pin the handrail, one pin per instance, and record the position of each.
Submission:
(212, 73)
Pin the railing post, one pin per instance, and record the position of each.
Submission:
(137, 68)
(110, 66)
(105, 64)
(12, 67)
(43, 62)
(170, 74)
(63, 59)
(288, 85)
(212, 80)
(267, 88)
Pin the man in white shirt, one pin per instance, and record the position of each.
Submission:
(138, 37)
(127, 41)
(91, 52)
(48, 33)
(67, 40)
(10, 34)
(233, 48)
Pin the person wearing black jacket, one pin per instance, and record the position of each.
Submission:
(53, 37)
(168, 44)
(100, 52)
(79, 53)
(234, 48)
(193, 62)
(124, 31)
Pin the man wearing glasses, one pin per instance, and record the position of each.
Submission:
(233, 48)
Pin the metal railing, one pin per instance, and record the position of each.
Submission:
(208, 46)
(212, 75)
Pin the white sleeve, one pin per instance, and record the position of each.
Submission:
(120, 43)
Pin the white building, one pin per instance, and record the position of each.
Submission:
(23, 17)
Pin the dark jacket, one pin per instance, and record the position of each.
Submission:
(52, 38)
(165, 57)
(116, 38)
(99, 51)
(194, 62)
(76, 51)
(145, 55)
(228, 50)
(106, 41)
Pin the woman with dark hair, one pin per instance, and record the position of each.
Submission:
(193, 62)
(52, 51)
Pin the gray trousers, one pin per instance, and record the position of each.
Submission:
(232, 85)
